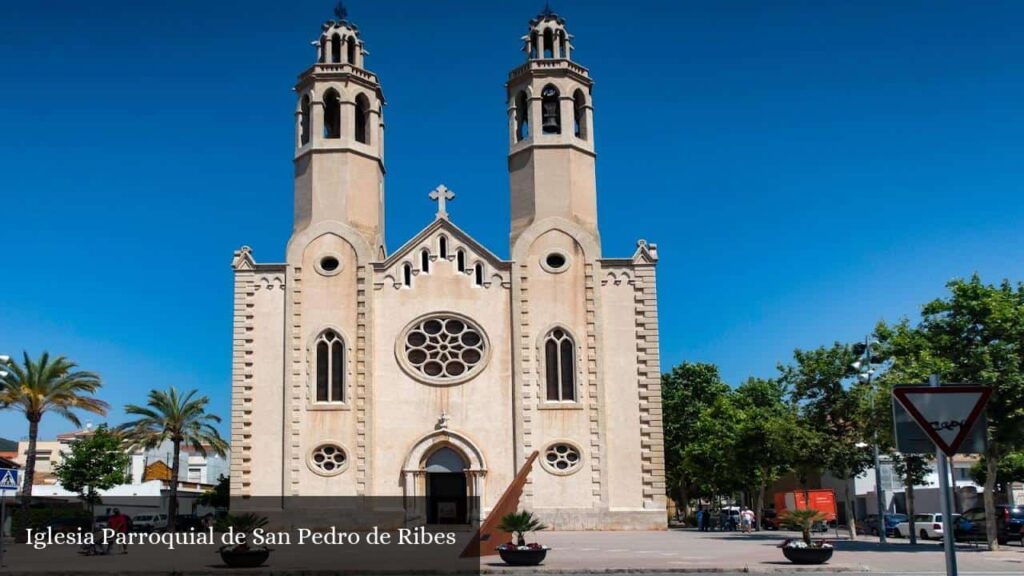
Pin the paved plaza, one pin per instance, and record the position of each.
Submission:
(584, 552)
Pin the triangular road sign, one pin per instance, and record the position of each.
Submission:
(9, 480)
(946, 413)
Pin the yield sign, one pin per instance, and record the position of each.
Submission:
(946, 414)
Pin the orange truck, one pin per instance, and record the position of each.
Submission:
(822, 500)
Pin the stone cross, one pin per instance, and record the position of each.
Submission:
(441, 195)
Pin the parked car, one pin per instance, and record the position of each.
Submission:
(928, 526)
(67, 524)
(149, 522)
(972, 526)
(871, 525)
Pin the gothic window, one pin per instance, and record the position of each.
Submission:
(351, 50)
(551, 114)
(332, 114)
(330, 367)
(425, 261)
(336, 48)
(442, 349)
(522, 117)
(579, 107)
(460, 261)
(549, 44)
(304, 120)
(362, 119)
(442, 247)
(560, 366)
(561, 44)
(534, 43)
(407, 274)
(478, 274)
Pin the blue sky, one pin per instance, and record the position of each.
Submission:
(806, 168)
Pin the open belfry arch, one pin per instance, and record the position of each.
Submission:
(439, 368)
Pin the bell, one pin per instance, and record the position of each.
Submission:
(551, 125)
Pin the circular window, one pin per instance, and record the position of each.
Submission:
(555, 262)
(442, 349)
(329, 264)
(562, 458)
(328, 460)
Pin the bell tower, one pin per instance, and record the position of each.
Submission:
(339, 136)
(551, 135)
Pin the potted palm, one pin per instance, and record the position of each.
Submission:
(520, 553)
(805, 550)
(243, 555)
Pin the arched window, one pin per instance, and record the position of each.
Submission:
(478, 274)
(560, 366)
(579, 108)
(551, 113)
(362, 119)
(322, 57)
(561, 44)
(460, 261)
(351, 50)
(336, 48)
(330, 367)
(549, 44)
(534, 44)
(407, 274)
(304, 120)
(522, 117)
(332, 114)
(442, 247)
(425, 262)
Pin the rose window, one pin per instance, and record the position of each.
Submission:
(562, 458)
(328, 459)
(443, 349)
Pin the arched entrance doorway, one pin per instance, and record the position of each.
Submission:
(447, 492)
(443, 479)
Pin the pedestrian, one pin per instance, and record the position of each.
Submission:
(747, 520)
(700, 519)
(119, 523)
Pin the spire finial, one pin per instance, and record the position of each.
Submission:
(547, 9)
(340, 11)
(441, 195)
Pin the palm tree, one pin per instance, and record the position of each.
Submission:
(179, 418)
(37, 387)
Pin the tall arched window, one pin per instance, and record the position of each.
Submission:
(551, 113)
(560, 366)
(362, 119)
(330, 367)
(522, 116)
(460, 261)
(336, 48)
(407, 274)
(332, 114)
(549, 44)
(322, 57)
(561, 44)
(425, 262)
(304, 120)
(442, 247)
(478, 274)
(351, 50)
(579, 107)
(534, 45)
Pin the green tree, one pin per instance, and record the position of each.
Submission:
(710, 457)
(36, 387)
(687, 390)
(219, 496)
(974, 335)
(830, 403)
(169, 415)
(96, 462)
(1010, 470)
(765, 438)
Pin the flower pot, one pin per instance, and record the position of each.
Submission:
(522, 557)
(808, 555)
(247, 558)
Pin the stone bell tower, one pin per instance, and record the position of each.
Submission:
(339, 136)
(551, 136)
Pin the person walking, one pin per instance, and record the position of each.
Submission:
(747, 520)
(119, 523)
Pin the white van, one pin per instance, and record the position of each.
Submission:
(149, 522)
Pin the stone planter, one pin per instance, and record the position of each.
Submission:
(244, 558)
(808, 555)
(527, 557)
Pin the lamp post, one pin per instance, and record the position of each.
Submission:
(866, 370)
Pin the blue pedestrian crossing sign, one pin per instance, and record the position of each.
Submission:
(8, 479)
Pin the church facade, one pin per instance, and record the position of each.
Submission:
(436, 370)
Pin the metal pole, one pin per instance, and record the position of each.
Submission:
(879, 493)
(3, 523)
(946, 502)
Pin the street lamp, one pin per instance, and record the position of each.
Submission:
(866, 369)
